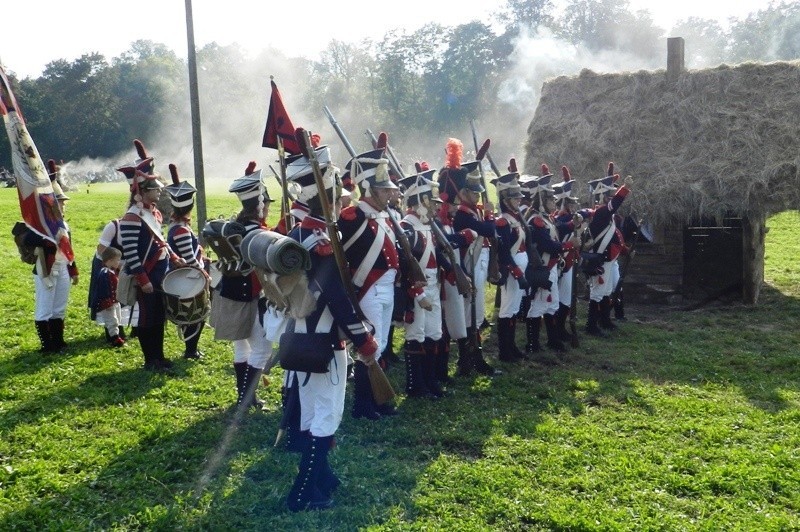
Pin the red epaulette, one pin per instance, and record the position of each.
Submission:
(538, 222)
(464, 208)
(501, 222)
(324, 248)
(349, 213)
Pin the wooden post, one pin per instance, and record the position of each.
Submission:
(754, 230)
(675, 64)
(197, 140)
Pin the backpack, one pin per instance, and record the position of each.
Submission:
(27, 254)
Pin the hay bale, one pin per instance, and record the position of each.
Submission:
(715, 141)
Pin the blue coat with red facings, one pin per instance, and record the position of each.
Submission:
(602, 217)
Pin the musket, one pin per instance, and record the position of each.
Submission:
(382, 388)
(463, 284)
(493, 274)
(415, 275)
(286, 214)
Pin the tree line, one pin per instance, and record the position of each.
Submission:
(424, 82)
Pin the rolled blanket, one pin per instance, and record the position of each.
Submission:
(274, 252)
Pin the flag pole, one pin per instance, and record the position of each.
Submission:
(197, 140)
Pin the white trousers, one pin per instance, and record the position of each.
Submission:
(602, 285)
(255, 349)
(427, 323)
(545, 301)
(453, 310)
(377, 305)
(510, 293)
(52, 293)
(565, 287)
(322, 397)
(111, 318)
(481, 272)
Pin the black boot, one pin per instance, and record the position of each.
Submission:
(504, 351)
(518, 353)
(464, 363)
(290, 417)
(443, 360)
(251, 378)
(46, 341)
(561, 323)
(57, 334)
(619, 307)
(592, 327)
(388, 355)
(429, 368)
(108, 336)
(553, 338)
(532, 326)
(363, 401)
(151, 339)
(605, 314)
(121, 333)
(193, 332)
(480, 364)
(328, 481)
(240, 368)
(416, 385)
(305, 493)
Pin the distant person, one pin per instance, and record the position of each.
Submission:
(108, 309)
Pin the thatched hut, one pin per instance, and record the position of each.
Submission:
(713, 153)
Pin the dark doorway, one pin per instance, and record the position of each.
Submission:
(712, 258)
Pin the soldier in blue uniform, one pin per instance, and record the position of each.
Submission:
(322, 395)
(566, 211)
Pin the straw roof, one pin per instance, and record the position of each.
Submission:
(712, 142)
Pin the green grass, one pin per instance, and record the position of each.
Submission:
(684, 421)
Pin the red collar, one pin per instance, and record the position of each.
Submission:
(309, 222)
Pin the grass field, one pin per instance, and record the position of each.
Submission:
(684, 421)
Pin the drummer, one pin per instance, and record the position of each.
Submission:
(184, 242)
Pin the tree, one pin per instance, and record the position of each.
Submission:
(706, 41)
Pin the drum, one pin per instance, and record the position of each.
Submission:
(186, 295)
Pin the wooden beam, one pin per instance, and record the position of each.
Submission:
(675, 63)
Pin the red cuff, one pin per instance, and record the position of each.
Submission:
(368, 348)
(142, 279)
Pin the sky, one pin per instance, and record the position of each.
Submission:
(68, 29)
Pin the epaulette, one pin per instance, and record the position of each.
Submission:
(349, 213)
(324, 248)
(538, 222)
(501, 222)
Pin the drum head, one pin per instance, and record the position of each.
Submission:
(184, 283)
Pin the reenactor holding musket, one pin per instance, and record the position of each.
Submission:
(566, 212)
(513, 260)
(423, 323)
(547, 236)
(600, 248)
(370, 246)
(478, 218)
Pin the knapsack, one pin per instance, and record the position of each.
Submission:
(27, 254)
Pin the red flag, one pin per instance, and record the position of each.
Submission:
(37, 200)
(279, 125)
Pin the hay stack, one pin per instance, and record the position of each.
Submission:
(715, 141)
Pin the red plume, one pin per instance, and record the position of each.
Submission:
(418, 167)
(454, 150)
(565, 173)
(610, 169)
(51, 168)
(250, 168)
(140, 149)
(484, 149)
(301, 138)
(512, 166)
(383, 141)
(545, 169)
(173, 171)
(424, 166)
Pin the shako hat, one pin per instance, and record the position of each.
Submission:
(604, 184)
(181, 193)
(141, 174)
(563, 191)
(250, 188)
(507, 185)
(301, 182)
(417, 187)
(370, 170)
